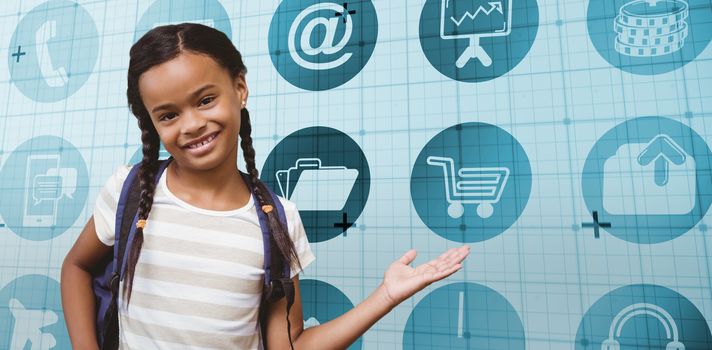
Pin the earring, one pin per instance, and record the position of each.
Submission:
(244, 103)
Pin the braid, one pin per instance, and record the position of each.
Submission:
(146, 176)
(277, 231)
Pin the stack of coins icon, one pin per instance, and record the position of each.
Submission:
(648, 28)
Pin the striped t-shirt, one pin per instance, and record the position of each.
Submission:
(199, 278)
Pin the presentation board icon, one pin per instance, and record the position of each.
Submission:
(313, 186)
(643, 316)
(471, 182)
(639, 175)
(649, 28)
(44, 183)
(477, 40)
(477, 21)
(649, 178)
(321, 44)
(53, 51)
(325, 173)
(464, 315)
(162, 12)
(480, 186)
(649, 36)
(31, 315)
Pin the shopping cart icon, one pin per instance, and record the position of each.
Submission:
(481, 186)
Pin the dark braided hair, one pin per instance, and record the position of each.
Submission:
(158, 46)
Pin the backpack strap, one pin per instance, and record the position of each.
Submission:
(281, 285)
(277, 281)
(124, 231)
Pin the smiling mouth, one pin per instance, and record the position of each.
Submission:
(203, 143)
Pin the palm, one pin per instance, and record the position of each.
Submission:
(402, 281)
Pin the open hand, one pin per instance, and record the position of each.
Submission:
(402, 281)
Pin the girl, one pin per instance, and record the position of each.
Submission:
(197, 282)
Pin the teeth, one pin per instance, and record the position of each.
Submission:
(202, 143)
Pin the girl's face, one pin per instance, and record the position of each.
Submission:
(195, 106)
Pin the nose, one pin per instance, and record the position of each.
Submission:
(192, 122)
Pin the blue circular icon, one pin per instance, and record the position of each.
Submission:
(471, 182)
(31, 315)
(649, 36)
(53, 51)
(325, 173)
(162, 12)
(649, 178)
(322, 302)
(464, 316)
(321, 44)
(44, 185)
(643, 316)
(476, 41)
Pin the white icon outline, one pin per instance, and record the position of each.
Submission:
(28, 327)
(327, 47)
(639, 34)
(30, 219)
(316, 187)
(474, 50)
(638, 309)
(477, 185)
(53, 76)
(633, 183)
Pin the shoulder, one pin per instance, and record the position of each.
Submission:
(289, 206)
(116, 180)
(106, 205)
(291, 213)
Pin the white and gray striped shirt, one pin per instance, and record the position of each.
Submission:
(199, 277)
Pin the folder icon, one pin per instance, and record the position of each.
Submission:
(312, 186)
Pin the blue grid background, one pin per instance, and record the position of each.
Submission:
(557, 103)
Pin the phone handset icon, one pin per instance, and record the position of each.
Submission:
(55, 77)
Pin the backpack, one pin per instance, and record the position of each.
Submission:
(277, 281)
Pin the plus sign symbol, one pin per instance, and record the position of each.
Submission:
(344, 14)
(18, 54)
(596, 224)
(344, 224)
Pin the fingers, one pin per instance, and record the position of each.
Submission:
(447, 253)
(449, 259)
(408, 257)
(447, 272)
(441, 274)
(453, 256)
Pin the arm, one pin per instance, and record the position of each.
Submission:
(400, 282)
(76, 283)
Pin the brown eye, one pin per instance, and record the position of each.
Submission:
(206, 100)
(167, 116)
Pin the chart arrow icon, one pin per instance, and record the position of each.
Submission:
(496, 5)
(662, 150)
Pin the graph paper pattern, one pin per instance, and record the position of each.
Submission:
(554, 277)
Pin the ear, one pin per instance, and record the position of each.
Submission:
(241, 90)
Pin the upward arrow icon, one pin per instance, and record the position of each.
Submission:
(662, 150)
